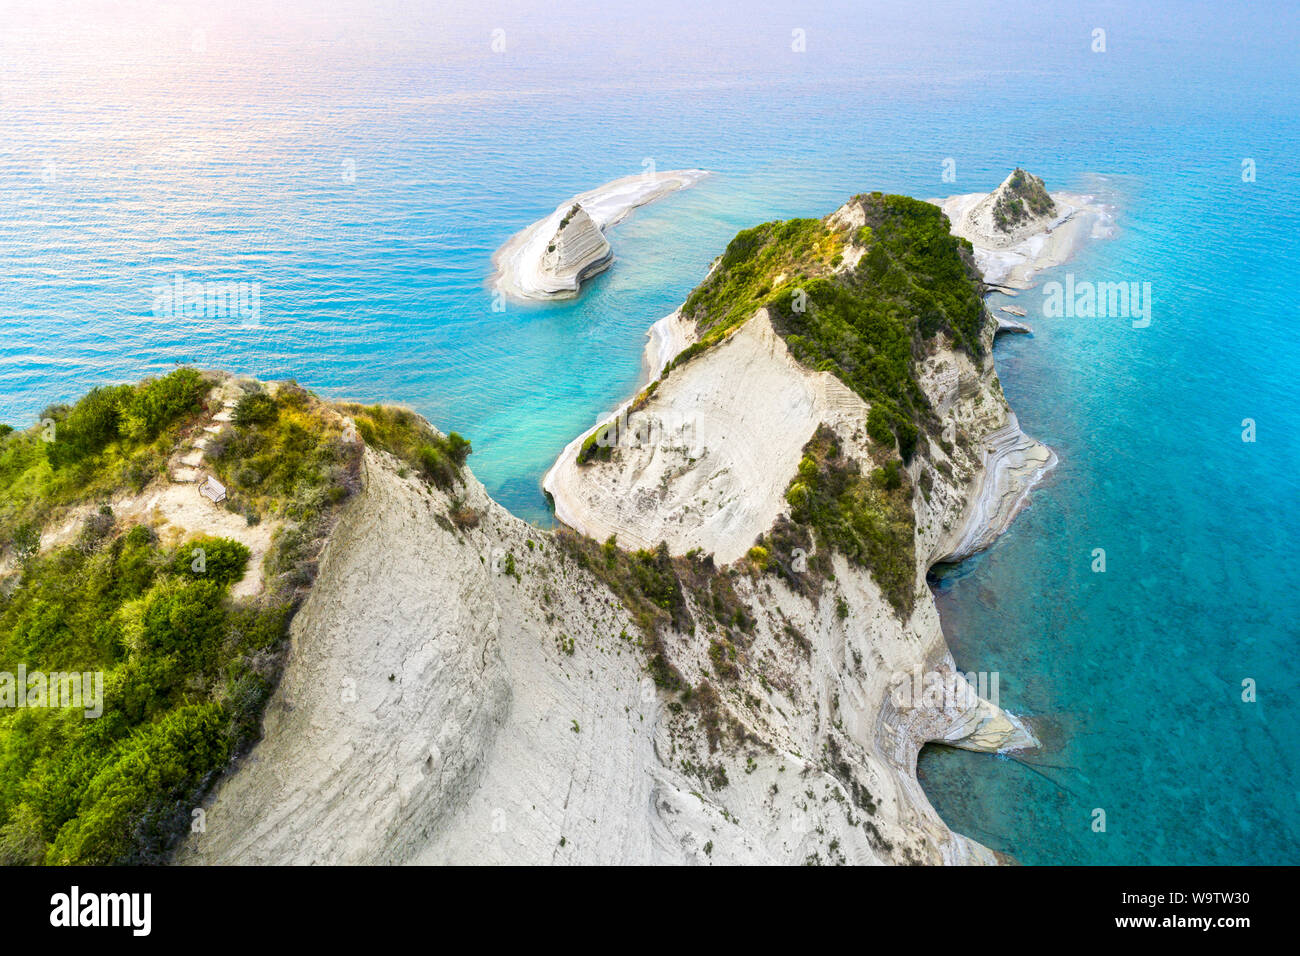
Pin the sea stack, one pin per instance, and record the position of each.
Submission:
(550, 258)
(577, 251)
(1018, 208)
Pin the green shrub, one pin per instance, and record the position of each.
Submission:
(114, 439)
(437, 466)
(88, 426)
(185, 676)
(155, 403)
(889, 476)
(408, 437)
(599, 445)
(878, 426)
(870, 522)
(157, 764)
(256, 408)
(222, 560)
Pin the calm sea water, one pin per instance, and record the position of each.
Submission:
(360, 163)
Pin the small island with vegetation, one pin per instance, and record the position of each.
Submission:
(1021, 199)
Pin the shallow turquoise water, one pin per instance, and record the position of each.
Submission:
(142, 143)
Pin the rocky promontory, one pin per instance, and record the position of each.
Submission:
(727, 653)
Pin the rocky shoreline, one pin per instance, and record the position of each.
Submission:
(1013, 463)
(465, 687)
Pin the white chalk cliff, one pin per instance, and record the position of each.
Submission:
(474, 694)
(437, 709)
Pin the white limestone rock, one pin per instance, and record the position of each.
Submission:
(548, 261)
(577, 251)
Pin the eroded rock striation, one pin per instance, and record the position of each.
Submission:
(577, 251)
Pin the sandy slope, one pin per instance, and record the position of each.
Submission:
(725, 435)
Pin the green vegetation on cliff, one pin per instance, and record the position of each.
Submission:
(115, 439)
(282, 456)
(186, 672)
(867, 518)
(184, 669)
(868, 324)
(599, 445)
(761, 265)
(654, 586)
(287, 456)
(408, 437)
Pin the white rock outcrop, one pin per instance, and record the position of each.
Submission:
(983, 217)
(549, 261)
(577, 251)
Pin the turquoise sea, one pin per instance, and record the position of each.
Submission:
(361, 162)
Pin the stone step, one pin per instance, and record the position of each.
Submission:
(185, 476)
(223, 416)
(212, 429)
(193, 459)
